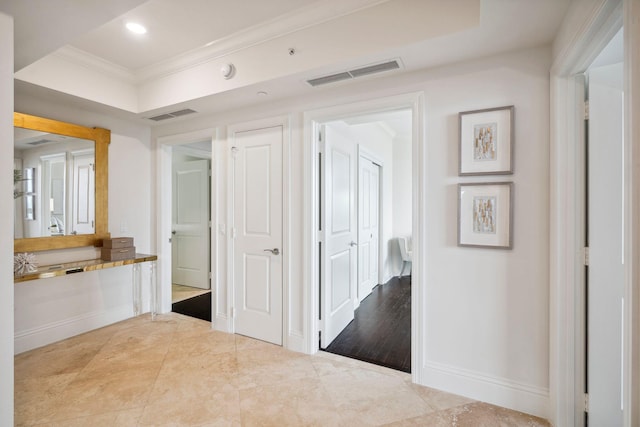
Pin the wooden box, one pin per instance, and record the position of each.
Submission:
(117, 254)
(117, 242)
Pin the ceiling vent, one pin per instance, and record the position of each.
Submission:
(39, 142)
(172, 115)
(355, 73)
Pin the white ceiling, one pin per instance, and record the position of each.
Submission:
(182, 28)
(175, 27)
(42, 26)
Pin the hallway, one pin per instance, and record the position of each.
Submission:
(177, 371)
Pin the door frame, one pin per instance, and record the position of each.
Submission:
(567, 211)
(201, 155)
(373, 157)
(312, 122)
(164, 197)
(288, 336)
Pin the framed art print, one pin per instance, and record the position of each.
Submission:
(485, 213)
(486, 141)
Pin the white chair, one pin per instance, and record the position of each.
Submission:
(405, 253)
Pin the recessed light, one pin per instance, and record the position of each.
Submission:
(262, 93)
(134, 27)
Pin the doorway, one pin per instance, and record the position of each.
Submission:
(365, 202)
(604, 237)
(190, 229)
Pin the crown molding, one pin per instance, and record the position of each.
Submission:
(95, 63)
(312, 15)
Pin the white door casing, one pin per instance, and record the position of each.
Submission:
(368, 225)
(339, 225)
(606, 240)
(190, 224)
(312, 237)
(258, 232)
(83, 194)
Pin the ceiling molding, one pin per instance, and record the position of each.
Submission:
(84, 59)
(312, 15)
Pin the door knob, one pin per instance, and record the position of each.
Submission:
(353, 244)
(274, 251)
(173, 232)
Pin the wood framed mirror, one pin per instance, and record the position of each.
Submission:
(60, 184)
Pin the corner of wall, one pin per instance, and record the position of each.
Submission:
(6, 227)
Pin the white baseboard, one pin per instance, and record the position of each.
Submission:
(295, 342)
(222, 324)
(55, 331)
(486, 388)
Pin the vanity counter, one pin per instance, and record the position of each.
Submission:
(47, 271)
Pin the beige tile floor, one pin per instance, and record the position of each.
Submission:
(180, 292)
(176, 371)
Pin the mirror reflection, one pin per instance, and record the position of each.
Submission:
(54, 182)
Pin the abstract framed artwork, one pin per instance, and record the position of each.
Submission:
(486, 141)
(485, 213)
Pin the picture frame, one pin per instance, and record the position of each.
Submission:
(485, 215)
(486, 140)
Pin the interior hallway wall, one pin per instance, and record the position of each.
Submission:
(487, 312)
(53, 309)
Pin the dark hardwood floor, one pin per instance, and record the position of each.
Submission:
(198, 307)
(381, 330)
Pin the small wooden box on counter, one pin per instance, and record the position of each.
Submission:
(118, 254)
(117, 242)
(118, 248)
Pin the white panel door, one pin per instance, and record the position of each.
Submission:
(257, 219)
(83, 200)
(605, 235)
(190, 241)
(339, 256)
(368, 226)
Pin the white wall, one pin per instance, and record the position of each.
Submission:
(487, 310)
(6, 227)
(48, 310)
(402, 195)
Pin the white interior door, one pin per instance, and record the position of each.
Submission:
(83, 200)
(190, 241)
(368, 225)
(257, 221)
(339, 223)
(605, 239)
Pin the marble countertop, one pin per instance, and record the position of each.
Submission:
(62, 269)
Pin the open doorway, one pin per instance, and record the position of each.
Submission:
(604, 237)
(365, 228)
(190, 230)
